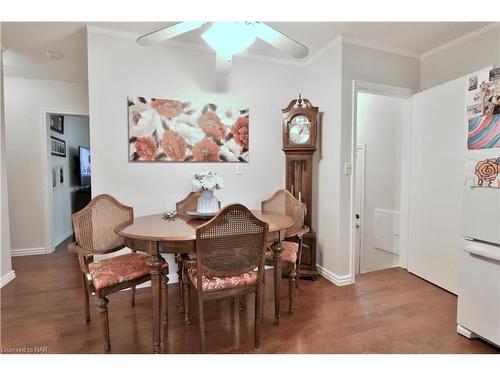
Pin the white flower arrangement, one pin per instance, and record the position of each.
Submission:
(208, 181)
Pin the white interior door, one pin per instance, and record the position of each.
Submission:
(436, 182)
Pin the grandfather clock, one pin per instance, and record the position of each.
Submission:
(300, 132)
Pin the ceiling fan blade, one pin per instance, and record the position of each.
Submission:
(168, 32)
(281, 41)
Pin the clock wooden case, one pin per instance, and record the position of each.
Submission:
(300, 133)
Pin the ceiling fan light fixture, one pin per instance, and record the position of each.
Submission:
(230, 38)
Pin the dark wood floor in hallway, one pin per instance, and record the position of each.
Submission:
(389, 311)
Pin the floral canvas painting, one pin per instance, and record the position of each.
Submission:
(164, 130)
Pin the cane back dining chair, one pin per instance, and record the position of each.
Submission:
(189, 203)
(283, 201)
(94, 229)
(230, 252)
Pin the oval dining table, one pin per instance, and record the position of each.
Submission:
(155, 235)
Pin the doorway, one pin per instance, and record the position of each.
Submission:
(69, 186)
(379, 178)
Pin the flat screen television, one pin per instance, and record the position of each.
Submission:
(84, 156)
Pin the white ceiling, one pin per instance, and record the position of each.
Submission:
(26, 43)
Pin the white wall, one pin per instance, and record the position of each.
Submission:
(328, 84)
(118, 68)
(379, 124)
(322, 86)
(6, 273)
(461, 59)
(27, 154)
(76, 133)
(365, 64)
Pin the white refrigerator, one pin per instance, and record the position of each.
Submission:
(479, 267)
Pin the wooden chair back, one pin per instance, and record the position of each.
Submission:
(95, 225)
(284, 202)
(189, 203)
(230, 244)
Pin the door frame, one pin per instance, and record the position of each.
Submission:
(360, 147)
(397, 92)
(47, 170)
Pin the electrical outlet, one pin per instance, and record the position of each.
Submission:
(347, 169)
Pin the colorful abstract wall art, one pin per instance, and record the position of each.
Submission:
(487, 173)
(483, 111)
(164, 130)
(484, 132)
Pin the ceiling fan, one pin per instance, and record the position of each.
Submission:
(228, 39)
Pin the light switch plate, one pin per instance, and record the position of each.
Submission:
(238, 169)
(347, 169)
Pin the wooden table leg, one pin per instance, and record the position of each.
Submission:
(277, 248)
(155, 289)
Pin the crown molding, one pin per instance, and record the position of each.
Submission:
(380, 47)
(340, 39)
(335, 42)
(172, 43)
(133, 36)
(274, 60)
(462, 39)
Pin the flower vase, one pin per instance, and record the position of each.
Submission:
(207, 203)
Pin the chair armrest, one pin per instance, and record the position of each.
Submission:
(75, 248)
(302, 231)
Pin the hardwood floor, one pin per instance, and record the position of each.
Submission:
(389, 311)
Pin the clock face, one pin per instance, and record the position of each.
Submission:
(300, 130)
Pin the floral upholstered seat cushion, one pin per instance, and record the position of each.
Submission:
(289, 253)
(211, 283)
(118, 269)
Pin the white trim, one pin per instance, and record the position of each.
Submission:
(361, 147)
(334, 278)
(28, 251)
(380, 47)
(381, 89)
(466, 332)
(405, 190)
(462, 39)
(338, 40)
(7, 278)
(374, 88)
(133, 36)
(191, 46)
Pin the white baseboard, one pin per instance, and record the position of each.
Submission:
(334, 278)
(7, 278)
(27, 252)
(465, 332)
